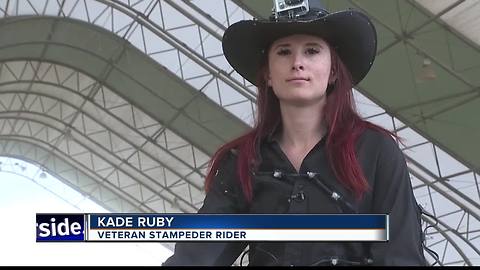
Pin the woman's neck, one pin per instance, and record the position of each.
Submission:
(302, 127)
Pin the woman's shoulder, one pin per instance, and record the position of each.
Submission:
(375, 140)
(228, 160)
(231, 154)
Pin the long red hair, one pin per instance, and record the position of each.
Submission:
(343, 123)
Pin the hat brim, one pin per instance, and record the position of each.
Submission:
(350, 32)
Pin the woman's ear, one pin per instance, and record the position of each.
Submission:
(333, 77)
(268, 79)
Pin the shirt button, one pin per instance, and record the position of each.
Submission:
(297, 197)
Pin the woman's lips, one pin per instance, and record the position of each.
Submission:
(298, 80)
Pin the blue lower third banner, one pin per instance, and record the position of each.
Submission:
(212, 227)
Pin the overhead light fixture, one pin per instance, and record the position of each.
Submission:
(427, 73)
(43, 175)
(21, 166)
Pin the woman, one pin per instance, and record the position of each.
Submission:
(309, 151)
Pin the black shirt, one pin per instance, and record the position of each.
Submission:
(279, 188)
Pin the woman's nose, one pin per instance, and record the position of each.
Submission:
(297, 67)
(297, 63)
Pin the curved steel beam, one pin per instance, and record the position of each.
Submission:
(123, 76)
(94, 149)
(35, 145)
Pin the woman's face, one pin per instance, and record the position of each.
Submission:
(299, 69)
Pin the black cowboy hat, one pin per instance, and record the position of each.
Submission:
(349, 32)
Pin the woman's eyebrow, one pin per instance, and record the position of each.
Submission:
(281, 45)
(314, 44)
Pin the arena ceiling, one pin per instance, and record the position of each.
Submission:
(125, 101)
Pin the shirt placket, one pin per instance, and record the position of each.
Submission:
(297, 205)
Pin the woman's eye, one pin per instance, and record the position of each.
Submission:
(312, 51)
(283, 52)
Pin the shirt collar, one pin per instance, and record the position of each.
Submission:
(272, 136)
